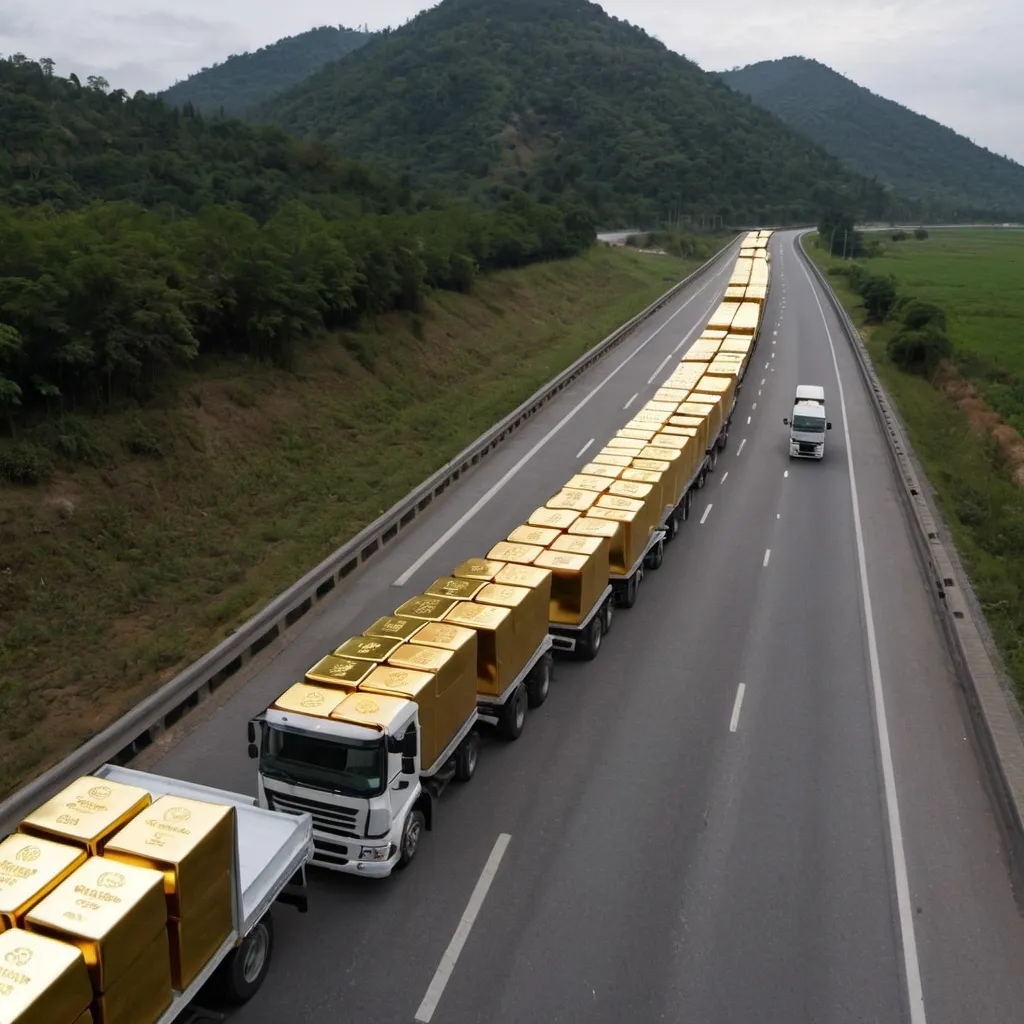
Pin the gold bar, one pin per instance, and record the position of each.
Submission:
(191, 842)
(535, 536)
(451, 696)
(680, 463)
(303, 699)
(345, 673)
(652, 416)
(499, 657)
(607, 458)
(553, 518)
(577, 582)
(30, 868)
(42, 981)
(432, 609)
(451, 586)
(390, 626)
(528, 604)
(635, 531)
(597, 469)
(653, 406)
(369, 710)
(520, 554)
(613, 531)
(408, 684)
(109, 910)
(586, 482)
(142, 994)
(671, 394)
(578, 501)
(369, 648)
(625, 445)
(194, 939)
(661, 482)
(647, 494)
(86, 812)
(634, 433)
(478, 569)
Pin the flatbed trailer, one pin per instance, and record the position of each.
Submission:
(271, 852)
(584, 638)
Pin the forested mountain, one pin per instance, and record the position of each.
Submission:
(917, 156)
(247, 79)
(555, 95)
(133, 237)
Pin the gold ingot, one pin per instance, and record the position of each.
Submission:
(610, 458)
(685, 375)
(553, 518)
(723, 387)
(520, 554)
(680, 464)
(479, 569)
(42, 981)
(109, 910)
(613, 531)
(29, 869)
(662, 495)
(586, 482)
(723, 316)
(344, 673)
(447, 636)
(652, 417)
(577, 500)
(416, 686)
(581, 544)
(305, 699)
(86, 812)
(735, 291)
(368, 648)
(143, 992)
(577, 582)
(635, 433)
(671, 394)
(652, 406)
(194, 939)
(634, 533)
(529, 607)
(625, 445)
(694, 422)
(391, 626)
(191, 842)
(500, 656)
(747, 318)
(369, 710)
(535, 536)
(711, 407)
(450, 586)
(597, 469)
(423, 606)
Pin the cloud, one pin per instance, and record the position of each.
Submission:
(956, 63)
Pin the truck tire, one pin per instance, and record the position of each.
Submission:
(239, 977)
(628, 596)
(590, 643)
(467, 756)
(412, 833)
(607, 614)
(538, 686)
(513, 715)
(672, 524)
(655, 556)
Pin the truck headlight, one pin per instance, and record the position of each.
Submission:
(373, 853)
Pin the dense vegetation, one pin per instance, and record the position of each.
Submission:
(247, 79)
(557, 97)
(225, 238)
(949, 354)
(950, 176)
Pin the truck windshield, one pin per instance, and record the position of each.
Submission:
(348, 766)
(808, 425)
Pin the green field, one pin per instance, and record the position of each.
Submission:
(162, 529)
(964, 421)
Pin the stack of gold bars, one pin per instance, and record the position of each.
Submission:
(108, 900)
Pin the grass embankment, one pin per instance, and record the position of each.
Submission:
(161, 529)
(963, 420)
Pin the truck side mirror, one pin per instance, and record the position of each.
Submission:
(409, 743)
(829, 426)
(254, 751)
(785, 419)
(408, 765)
(251, 730)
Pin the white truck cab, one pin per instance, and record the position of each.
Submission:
(807, 425)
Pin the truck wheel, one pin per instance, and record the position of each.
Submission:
(241, 974)
(590, 644)
(725, 440)
(607, 614)
(411, 835)
(656, 556)
(673, 525)
(513, 715)
(467, 756)
(714, 457)
(539, 684)
(629, 597)
(684, 506)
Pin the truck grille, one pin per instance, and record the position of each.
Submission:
(807, 449)
(330, 819)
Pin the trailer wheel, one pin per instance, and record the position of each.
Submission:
(672, 523)
(714, 457)
(607, 614)
(411, 835)
(513, 715)
(589, 645)
(242, 973)
(539, 684)
(628, 597)
(466, 757)
(725, 440)
(685, 506)
(656, 556)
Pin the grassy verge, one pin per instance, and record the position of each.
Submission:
(159, 530)
(960, 420)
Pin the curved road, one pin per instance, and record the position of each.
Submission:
(674, 851)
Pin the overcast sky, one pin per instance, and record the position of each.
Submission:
(959, 63)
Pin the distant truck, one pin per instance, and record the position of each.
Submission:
(807, 424)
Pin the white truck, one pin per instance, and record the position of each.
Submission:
(807, 424)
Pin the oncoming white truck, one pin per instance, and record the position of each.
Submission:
(807, 425)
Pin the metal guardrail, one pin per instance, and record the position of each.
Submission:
(137, 729)
(994, 722)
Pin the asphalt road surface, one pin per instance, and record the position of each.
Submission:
(712, 822)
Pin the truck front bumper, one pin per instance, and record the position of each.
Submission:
(798, 452)
(348, 859)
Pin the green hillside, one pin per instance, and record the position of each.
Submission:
(556, 96)
(247, 79)
(874, 136)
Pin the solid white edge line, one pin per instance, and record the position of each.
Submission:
(631, 401)
(486, 497)
(767, 555)
(911, 965)
(451, 955)
(735, 720)
(707, 512)
(584, 448)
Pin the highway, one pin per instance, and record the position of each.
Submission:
(711, 822)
